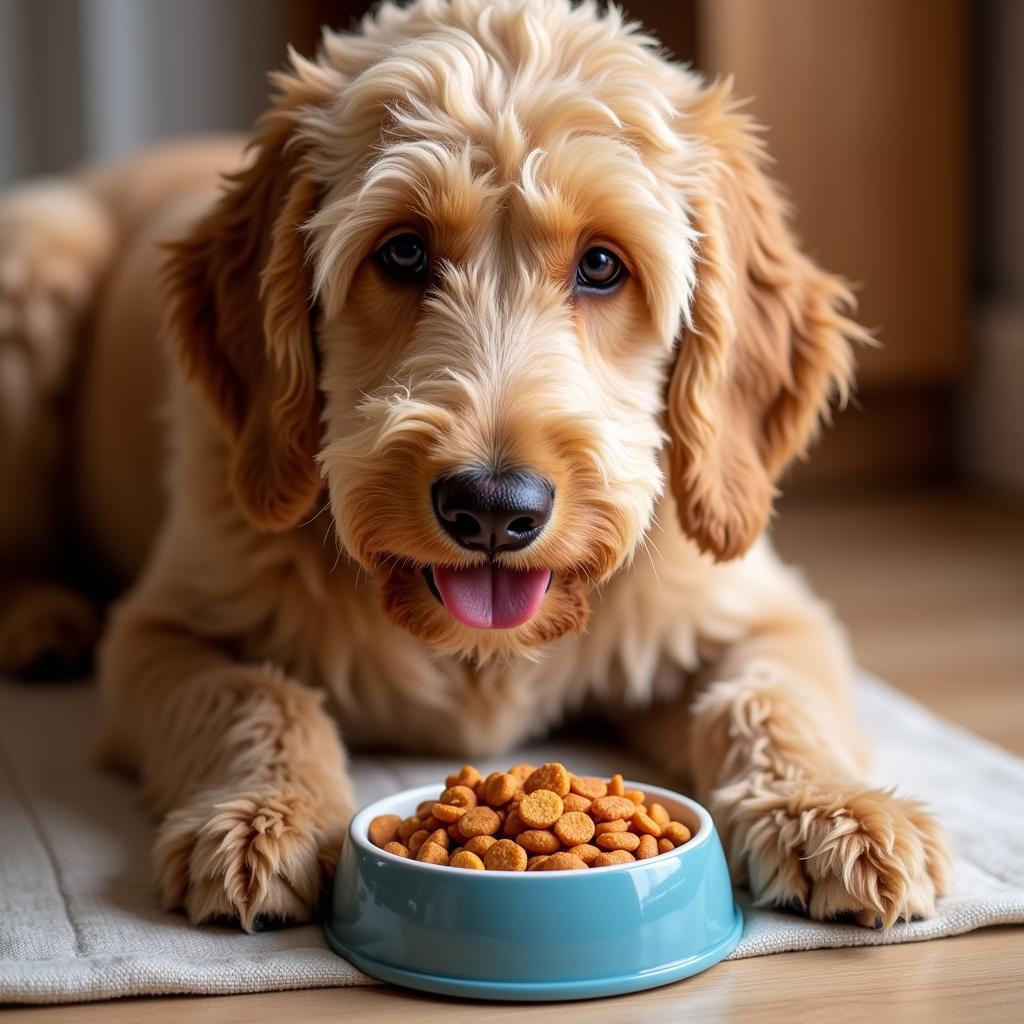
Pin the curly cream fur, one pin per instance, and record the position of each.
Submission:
(321, 402)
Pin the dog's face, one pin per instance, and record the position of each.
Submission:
(505, 215)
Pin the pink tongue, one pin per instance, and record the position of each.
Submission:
(491, 596)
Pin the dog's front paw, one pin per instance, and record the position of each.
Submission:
(253, 857)
(834, 851)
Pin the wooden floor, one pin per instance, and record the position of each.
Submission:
(932, 590)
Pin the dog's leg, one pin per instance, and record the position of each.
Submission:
(243, 764)
(767, 736)
(56, 241)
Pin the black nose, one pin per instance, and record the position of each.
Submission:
(493, 512)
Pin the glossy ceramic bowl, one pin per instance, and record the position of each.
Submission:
(534, 935)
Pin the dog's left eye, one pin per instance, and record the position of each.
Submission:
(404, 257)
(599, 270)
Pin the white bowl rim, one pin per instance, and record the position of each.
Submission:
(359, 825)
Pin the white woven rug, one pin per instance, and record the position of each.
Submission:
(80, 919)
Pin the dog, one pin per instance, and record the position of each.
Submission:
(484, 365)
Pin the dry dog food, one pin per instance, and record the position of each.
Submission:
(531, 819)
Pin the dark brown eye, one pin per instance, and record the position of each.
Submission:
(599, 270)
(404, 257)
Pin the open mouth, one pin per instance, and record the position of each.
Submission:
(489, 596)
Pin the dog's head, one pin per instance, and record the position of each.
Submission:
(496, 270)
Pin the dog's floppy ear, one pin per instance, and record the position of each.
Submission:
(767, 349)
(239, 296)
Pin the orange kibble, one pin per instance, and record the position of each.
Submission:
(553, 776)
(612, 857)
(534, 863)
(590, 787)
(469, 777)
(479, 844)
(480, 821)
(659, 814)
(514, 824)
(416, 840)
(384, 829)
(645, 824)
(541, 808)
(574, 828)
(423, 808)
(586, 852)
(505, 855)
(575, 802)
(432, 824)
(677, 832)
(397, 849)
(447, 813)
(459, 796)
(665, 846)
(538, 840)
(522, 771)
(439, 836)
(465, 859)
(616, 787)
(647, 848)
(608, 808)
(563, 862)
(618, 825)
(618, 841)
(636, 795)
(408, 826)
(499, 788)
(432, 853)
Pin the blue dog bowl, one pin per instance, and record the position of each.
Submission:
(533, 935)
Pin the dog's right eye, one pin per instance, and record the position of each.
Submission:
(403, 257)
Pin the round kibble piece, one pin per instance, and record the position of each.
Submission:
(608, 808)
(448, 813)
(586, 852)
(553, 776)
(541, 808)
(659, 814)
(431, 853)
(677, 832)
(522, 771)
(423, 808)
(534, 862)
(575, 802)
(408, 826)
(618, 841)
(466, 859)
(648, 848)
(645, 824)
(454, 833)
(384, 829)
(469, 777)
(616, 787)
(618, 825)
(439, 836)
(397, 849)
(574, 828)
(416, 840)
(432, 824)
(514, 824)
(588, 786)
(499, 788)
(665, 846)
(636, 796)
(459, 796)
(505, 855)
(610, 857)
(481, 821)
(479, 844)
(563, 862)
(538, 840)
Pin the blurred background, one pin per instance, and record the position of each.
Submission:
(898, 131)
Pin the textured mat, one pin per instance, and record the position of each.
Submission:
(80, 918)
